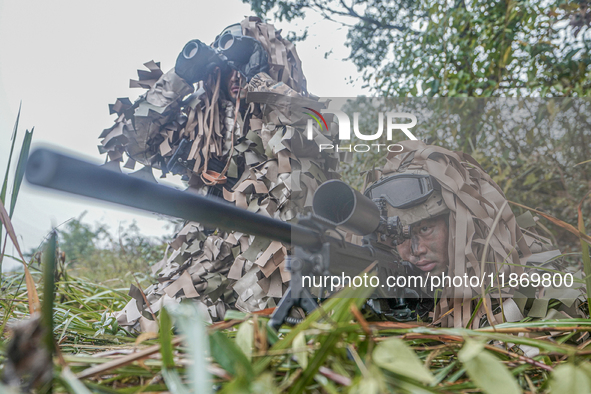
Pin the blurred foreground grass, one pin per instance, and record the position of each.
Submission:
(334, 350)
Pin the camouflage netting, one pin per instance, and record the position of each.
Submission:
(271, 169)
(475, 200)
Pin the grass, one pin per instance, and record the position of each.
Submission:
(333, 350)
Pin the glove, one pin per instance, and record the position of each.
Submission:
(257, 62)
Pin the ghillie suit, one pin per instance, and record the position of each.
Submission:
(258, 159)
(473, 201)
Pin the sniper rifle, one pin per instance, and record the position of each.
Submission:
(316, 252)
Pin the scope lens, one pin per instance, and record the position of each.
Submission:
(343, 206)
(335, 203)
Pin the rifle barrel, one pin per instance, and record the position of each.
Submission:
(54, 170)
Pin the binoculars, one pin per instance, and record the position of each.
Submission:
(197, 59)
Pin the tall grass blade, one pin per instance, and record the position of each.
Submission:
(166, 348)
(13, 139)
(5, 183)
(190, 324)
(49, 263)
(171, 377)
(20, 169)
(583, 162)
(585, 254)
(70, 380)
(34, 305)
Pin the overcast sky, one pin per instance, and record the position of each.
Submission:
(67, 60)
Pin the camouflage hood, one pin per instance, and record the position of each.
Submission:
(474, 201)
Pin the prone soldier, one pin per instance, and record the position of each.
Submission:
(461, 226)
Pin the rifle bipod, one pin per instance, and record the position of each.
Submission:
(281, 314)
(297, 295)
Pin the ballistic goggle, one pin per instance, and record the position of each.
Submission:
(403, 190)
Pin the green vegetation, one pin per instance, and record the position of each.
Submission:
(93, 252)
(440, 48)
(334, 350)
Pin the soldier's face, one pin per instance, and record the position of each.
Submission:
(232, 84)
(427, 248)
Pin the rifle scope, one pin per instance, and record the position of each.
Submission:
(345, 207)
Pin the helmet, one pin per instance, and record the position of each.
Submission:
(411, 195)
